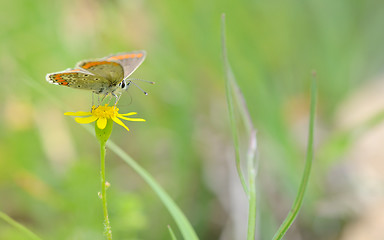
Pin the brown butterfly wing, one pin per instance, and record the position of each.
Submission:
(110, 70)
(78, 78)
(130, 61)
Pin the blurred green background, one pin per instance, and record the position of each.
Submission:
(49, 165)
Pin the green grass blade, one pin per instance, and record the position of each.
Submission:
(182, 222)
(20, 227)
(229, 86)
(307, 169)
(173, 236)
(234, 95)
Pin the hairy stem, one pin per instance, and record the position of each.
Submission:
(107, 225)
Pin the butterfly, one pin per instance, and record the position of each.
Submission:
(107, 75)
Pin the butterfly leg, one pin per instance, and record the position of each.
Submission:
(102, 100)
(117, 97)
(93, 97)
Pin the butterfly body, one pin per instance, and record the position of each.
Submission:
(102, 76)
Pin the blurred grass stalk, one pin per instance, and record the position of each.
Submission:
(182, 222)
(20, 227)
(234, 96)
(307, 169)
(171, 233)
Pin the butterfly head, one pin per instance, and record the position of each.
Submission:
(123, 85)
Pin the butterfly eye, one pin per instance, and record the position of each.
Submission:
(122, 84)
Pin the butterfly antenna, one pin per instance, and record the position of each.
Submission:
(138, 79)
(138, 87)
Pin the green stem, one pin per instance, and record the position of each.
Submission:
(20, 227)
(307, 169)
(252, 171)
(107, 225)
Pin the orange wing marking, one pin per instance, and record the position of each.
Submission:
(91, 64)
(60, 80)
(121, 57)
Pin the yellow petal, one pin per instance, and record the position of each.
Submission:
(131, 119)
(128, 114)
(118, 121)
(101, 123)
(86, 119)
(79, 113)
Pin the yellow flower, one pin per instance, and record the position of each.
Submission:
(101, 114)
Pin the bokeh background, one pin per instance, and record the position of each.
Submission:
(49, 165)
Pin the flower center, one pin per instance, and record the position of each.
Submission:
(105, 111)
